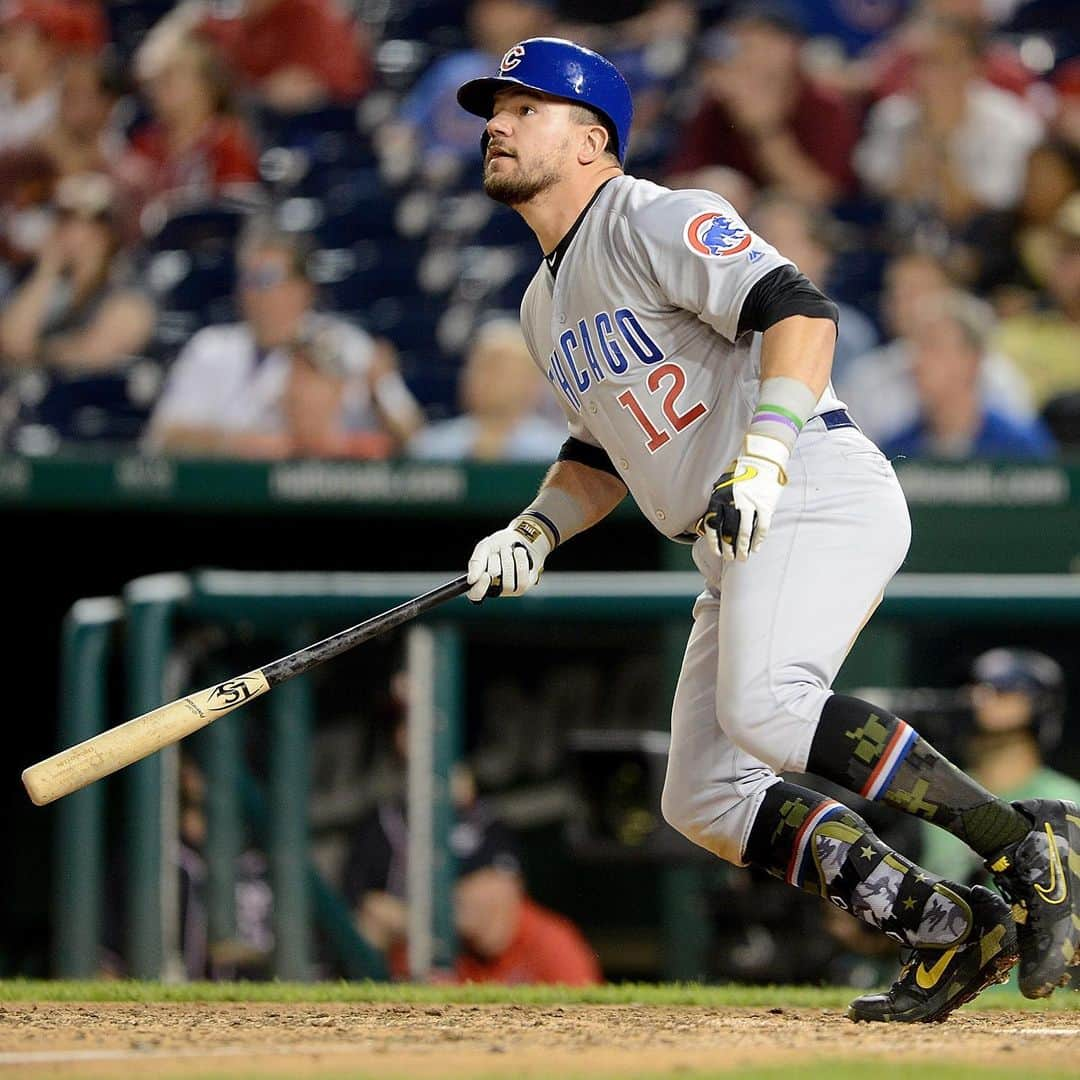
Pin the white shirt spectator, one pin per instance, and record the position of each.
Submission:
(534, 438)
(220, 379)
(990, 149)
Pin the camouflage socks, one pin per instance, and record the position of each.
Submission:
(878, 756)
(819, 845)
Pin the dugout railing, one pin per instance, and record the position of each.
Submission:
(282, 607)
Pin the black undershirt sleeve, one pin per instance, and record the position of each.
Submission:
(586, 454)
(781, 294)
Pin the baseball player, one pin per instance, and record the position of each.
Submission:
(692, 361)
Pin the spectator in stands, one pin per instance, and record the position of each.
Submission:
(851, 28)
(1018, 707)
(501, 392)
(887, 66)
(1046, 344)
(726, 182)
(195, 149)
(79, 310)
(85, 137)
(879, 386)
(761, 115)
(953, 147)
(504, 935)
(289, 55)
(1053, 174)
(949, 341)
(30, 58)
(286, 381)
(806, 236)
(248, 953)
(81, 139)
(430, 128)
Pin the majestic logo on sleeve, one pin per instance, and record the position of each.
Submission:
(713, 234)
(513, 57)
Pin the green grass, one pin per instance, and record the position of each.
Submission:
(671, 994)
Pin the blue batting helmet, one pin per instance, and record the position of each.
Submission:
(564, 70)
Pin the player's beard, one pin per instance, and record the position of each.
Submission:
(518, 187)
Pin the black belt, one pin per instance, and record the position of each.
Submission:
(833, 419)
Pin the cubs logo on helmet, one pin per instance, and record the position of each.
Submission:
(714, 234)
(513, 57)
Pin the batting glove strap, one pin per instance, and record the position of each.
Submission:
(510, 561)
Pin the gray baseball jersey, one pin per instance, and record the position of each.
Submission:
(638, 334)
(638, 337)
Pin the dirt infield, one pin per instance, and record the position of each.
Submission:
(385, 1040)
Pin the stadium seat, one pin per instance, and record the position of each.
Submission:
(439, 23)
(200, 281)
(211, 226)
(354, 207)
(129, 20)
(1062, 416)
(327, 136)
(505, 227)
(107, 408)
(351, 279)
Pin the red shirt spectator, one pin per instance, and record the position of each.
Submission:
(821, 123)
(761, 116)
(71, 25)
(545, 949)
(894, 65)
(221, 155)
(194, 149)
(313, 37)
(85, 29)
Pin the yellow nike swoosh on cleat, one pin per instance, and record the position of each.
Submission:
(748, 473)
(990, 945)
(929, 979)
(1058, 890)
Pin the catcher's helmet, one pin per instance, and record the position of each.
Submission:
(565, 70)
(1033, 673)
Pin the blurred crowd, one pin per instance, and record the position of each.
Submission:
(254, 228)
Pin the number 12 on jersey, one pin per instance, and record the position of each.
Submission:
(680, 421)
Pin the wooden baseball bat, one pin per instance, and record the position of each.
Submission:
(127, 743)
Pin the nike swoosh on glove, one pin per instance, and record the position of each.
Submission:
(510, 561)
(741, 506)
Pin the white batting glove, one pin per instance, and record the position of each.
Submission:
(744, 499)
(510, 561)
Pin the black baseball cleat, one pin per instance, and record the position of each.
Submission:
(1040, 876)
(934, 982)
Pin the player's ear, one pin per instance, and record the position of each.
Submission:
(594, 140)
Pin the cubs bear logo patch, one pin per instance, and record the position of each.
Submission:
(713, 234)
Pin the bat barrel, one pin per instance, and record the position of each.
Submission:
(123, 745)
